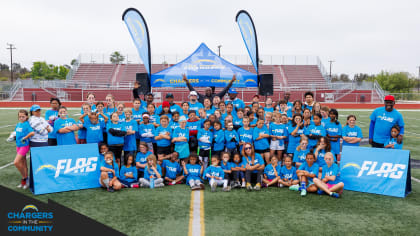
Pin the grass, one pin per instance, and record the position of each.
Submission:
(269, 212)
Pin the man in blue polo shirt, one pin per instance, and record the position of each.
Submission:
(381, 121)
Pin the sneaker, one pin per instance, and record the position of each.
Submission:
(281, 185)
(336, 195)
(159, 185)
(142, 185)
(243, 185)
(170, 183)
(294, 187)
(303, 192)
(195, 187)
(248, 187)
(257, 187)
(111, 189)
(226, 189)
(12, 137)
(26, 185)
(202, 186)
(213, 187)
(320, 192)
(134, 186)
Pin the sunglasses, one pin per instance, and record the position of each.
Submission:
(248, 148)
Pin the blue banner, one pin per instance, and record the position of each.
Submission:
(249, 35)
(64, 168)
(204, 68)
(376, 170)
(140, 34)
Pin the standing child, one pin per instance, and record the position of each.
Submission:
(180, 139)
(215, 175)
(23, 132)
(393, 142)
(147, 131)
(288, 176)
(260, 137)
(152, 172)
(245, 133)
(51, 116)
(295, 131)
(333, 129)
(219, 139)
(227, 167)
(81, 133)
(272, 173)
(128, 172)
(131, 127)
(278, 134)
(93, 127)
(163, 135)
(352, 134)
(205, 138)
(109, 172)
(101, 116)
(116, 132)
(238, 171)
(65, 128)
(172, 170)
(306, 172)
(315, 131)
(232, 139)
(329, 181)
(193, 171)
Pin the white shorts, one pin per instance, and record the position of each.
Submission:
(274, 145)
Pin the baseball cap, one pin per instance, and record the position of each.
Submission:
(193, 93)
(233, 91)
(169, 95)
(35, 107)
(389, 98)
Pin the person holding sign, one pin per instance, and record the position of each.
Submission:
(382, 120)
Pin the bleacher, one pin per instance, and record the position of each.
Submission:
(304, 75)
(101, 73)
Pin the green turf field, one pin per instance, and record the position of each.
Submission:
(269, 212)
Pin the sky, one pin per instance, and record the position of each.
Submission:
(359, 36)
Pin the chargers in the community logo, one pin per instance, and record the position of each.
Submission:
(30, 219)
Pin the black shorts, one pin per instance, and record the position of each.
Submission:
(163, 150)
(261, 151)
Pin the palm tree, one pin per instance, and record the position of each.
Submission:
(116, 58)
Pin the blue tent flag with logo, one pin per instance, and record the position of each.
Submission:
(64, 168)
(376, 170)
(139, 32)
(249, 35)
(204, 68)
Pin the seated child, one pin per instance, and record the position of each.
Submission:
(226, 166)
(288, 175)
(272, 173)
(238, 171)
(128, 172)
(300, 153)
(193, 171)
(109, 172)
(215, 175)
(329, 182)
(141, 158)
(306, 172)
(172, 170)
(152, 172)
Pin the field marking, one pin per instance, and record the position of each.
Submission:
(7, 165)
(196, 224)
(417, 180)
(5, 126)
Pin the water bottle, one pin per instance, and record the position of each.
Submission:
(152, 182)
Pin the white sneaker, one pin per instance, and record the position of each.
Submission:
(281, 185)
(213, 187)
(243, 185)
(12, 137)
(159, 185)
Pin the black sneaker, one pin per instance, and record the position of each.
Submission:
(111, 189)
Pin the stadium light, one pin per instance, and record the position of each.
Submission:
(11, 48)
(331, 62)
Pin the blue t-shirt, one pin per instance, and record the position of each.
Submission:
(260, 144)
(22, 129)
(81, 133)
(173, 108)
(320, 159)
(289, 174)
(269, 171)
(384, 121)
(146, 128)
(314, 169)
(128, 170)
(245, 135)
(195, 107)
(334, 129)
(293, 140)
(351, 132)
(278, 130)
(50, 117)
(149, 172)
(215, 171)
(257, 160)
(115, 139)
(268, 109)
(173, 124)
(300, 156)
(396, 144)
(130, 140)
(178, 132)
(163, 130)
(314, 130)
(172, 169)
(108, 111)
(112, 167)
(193, 172)
(226, 166)
(219, 140)
(93, 131)
(137, 115)
(238, 122)
(194, 125)
(333, 170)
(141, 158)
(237, 103)
(325, 121)
(206, 134)
(65, 138)
(228, 137)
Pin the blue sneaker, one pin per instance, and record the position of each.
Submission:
(336, 195)
(320, 192)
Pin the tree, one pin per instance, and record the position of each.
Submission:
(4, 67)
(341, 78)
(73, 62)
(362, 77)
(42, 70)
(400, 82)
(116, 58)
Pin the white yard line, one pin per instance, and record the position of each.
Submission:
(7, 165)
(417, 180)
(196, 226)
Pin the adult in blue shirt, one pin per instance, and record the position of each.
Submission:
(51, 116)
(254, 166)
(194, 104)
(381, 121)
(236, 102)
(209, 91)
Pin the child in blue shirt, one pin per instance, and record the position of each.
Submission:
(23, 132)
(334, 132)
(238, 171)
(193, 172)
(226, 166)
(306, 172)
(163, 138)
(128, 172)
(216, 175)
(93, 127)
(329, 182)
(116, 132)
(81, 133)
(51, 116)
(232, 139)
(152, 172)
(109, 173)
(260, 137)
(245, 133)
(295, 131)
(65, 128)
(180, 138)
(172, 170)
(205, 138)
(392, 142)
(147, 131)
(299, 156)
(254, 166)
(288, 176)
(315, 131)
(219, 139)
(322, 147)
(272, 173)
(278, 134)
(141, 158)
(131, 127)
(352, 134)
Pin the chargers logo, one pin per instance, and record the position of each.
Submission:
(29, 207)
(49, 166)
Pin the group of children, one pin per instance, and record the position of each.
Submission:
(229, 144)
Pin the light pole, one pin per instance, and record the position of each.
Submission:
(219, 46)
(331, 62)
(11, 48)
(418, 82)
